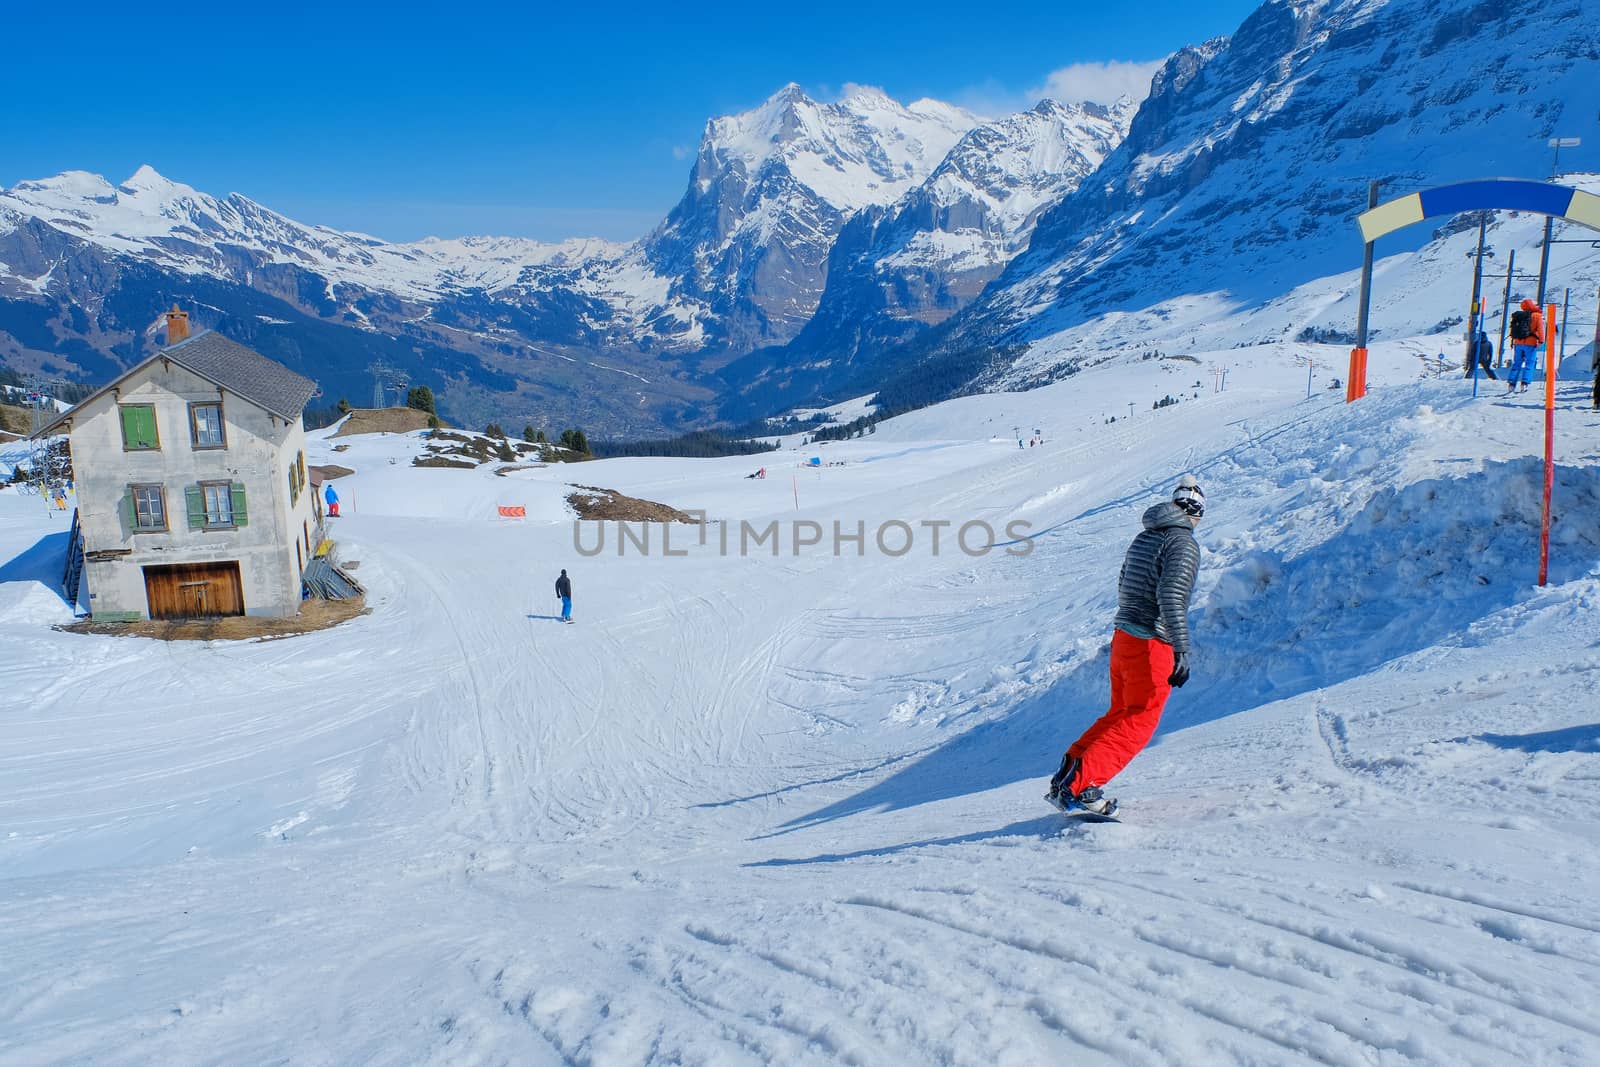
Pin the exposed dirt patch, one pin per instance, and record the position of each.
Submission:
(16, 420)
(503, 471)
(314, 615)
(443, 461)
(594, 503)
(383, 420)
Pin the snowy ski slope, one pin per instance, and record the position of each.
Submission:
(788, 810)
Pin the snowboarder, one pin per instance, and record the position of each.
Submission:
(564, 591)
(1149, 651)
(333, 500)
(1527, 334)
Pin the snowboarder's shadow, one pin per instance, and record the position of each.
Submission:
(1570, 739)
(550, 618)
(1042, 827)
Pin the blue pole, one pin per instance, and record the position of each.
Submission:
(1477, 325)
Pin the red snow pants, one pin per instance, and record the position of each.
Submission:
(1140, 668)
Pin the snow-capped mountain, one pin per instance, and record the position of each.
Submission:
(897, 269)
(505, 325)
(822, 250)
(173, 226)
(611, 335)
(770, 191)
(1241, 175)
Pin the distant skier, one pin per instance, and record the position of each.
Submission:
(1149, 650)
(1527, 334)
(332, 499)
(564, 591)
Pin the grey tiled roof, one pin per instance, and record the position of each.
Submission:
(231, 365)
(244, 371)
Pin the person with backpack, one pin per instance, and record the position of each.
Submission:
(1527, 334)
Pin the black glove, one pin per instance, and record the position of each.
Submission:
(1180, 670)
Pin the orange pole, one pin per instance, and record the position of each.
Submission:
(1549, 439)
(1355, 387)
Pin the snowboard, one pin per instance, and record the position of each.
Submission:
(1083, 814)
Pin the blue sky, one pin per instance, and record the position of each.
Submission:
(545, 121)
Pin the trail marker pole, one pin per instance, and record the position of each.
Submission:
(1505, 307)
(796, 478)
(1549, 442)
(1566, 303)
(1474, 319)
(1355, 386)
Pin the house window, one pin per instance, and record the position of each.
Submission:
(139, 427)
(218, 498)
(216, 506)
(149, 507)
(297, 478)
(205, 425)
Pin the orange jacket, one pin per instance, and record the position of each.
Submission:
(1535, 324)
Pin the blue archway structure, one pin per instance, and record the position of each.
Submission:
(1496, 194)
(1499, 194)
(1491, 194)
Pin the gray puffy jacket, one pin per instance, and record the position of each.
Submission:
(1158, 577)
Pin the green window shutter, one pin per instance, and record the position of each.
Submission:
(139, 426)
(129, 512)
(195, 501)
(240, 516)
(130, 427)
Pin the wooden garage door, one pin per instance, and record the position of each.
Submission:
(194, 590)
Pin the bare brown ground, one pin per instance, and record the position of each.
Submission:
(15, 419)
(383, 420)
(314, 615)
(593, 503)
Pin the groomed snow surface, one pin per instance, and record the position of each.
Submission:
(788, 810)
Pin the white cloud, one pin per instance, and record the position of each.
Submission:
(681, 152)
(1100, 82)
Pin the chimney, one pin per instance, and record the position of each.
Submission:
(177, 325)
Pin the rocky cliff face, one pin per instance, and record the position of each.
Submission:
(898, 269)
(772, 188)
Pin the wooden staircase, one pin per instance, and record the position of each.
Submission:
(72, 576)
